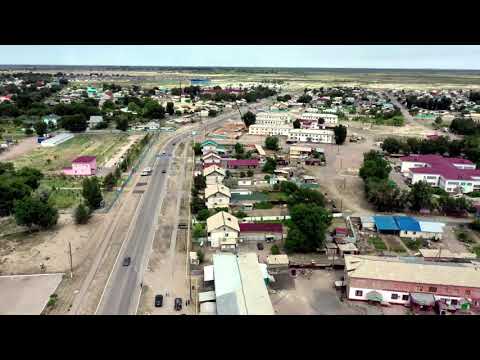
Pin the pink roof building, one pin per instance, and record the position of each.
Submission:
(261, 227)
(238, 164)
(82, 166)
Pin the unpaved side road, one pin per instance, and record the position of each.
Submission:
(23, 147)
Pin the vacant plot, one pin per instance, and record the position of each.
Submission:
(103, 146)
(378, 243)
(27, 294)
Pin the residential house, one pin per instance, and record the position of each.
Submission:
(243, 164)
(82, 166)
(223, 231)
(217, 196)
(214, 174)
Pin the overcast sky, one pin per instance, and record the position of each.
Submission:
(338, 56)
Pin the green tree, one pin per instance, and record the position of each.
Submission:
(9, 192)
(296, 124)
(249, 118)
(200, 182)
(239, 148)
(170, 108)
(391, 145)
(109, 182)
(374, 166)
(250, 173)
(212, 113)
(41, 128)
(420, 196)
(7, 168)
(304, 99)
(197, 148)
(271, 143)
(288, 187)
(306, 196)
(270, 165)
(340, 132)
(438, 120)
(91, 192)
(81, 214)
(74, 123)
(153, 110)
(203, 215)
(122, 123)
(30, 176)
(31, 211)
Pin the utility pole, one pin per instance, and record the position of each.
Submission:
(71, 261)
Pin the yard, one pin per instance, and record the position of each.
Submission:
(103, 146)
(378, 243)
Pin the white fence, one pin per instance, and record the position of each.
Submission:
(265, 218)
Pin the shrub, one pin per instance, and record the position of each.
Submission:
(81, 214)
(201, 256)
(203, 215)
(475, 225)
(275, 250)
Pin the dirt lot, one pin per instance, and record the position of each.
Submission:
(27, 294)
(23, 147)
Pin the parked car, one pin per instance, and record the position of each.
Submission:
(164, 171)
(178, 304)
(127, 261)
(259, 246)
(158, 300)
(147, 171)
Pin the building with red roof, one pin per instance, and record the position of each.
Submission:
(450, 174)
(243, 164)
(261, 231)
(82, 166)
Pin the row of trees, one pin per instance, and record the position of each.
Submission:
(468, 147)
(465, 126)
(430, 103)
(385, 195)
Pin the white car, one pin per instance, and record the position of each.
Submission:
(147, 171)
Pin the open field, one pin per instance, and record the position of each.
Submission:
(103, 146)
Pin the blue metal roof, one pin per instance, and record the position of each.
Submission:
(385, 223)
(407, 223)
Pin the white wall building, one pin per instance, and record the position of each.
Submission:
(312, 135)
(329, 120)
(211, 158)
(214, 175)
(270, 130)
(273, 118)
(223, 230)
(217, 196)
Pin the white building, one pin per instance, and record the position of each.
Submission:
(273, 118)
(223, 231)
(214, 175)
(312, 135)
(211, 158)
(217, 196)
(94, 121)
(323, 120)
(270, 130)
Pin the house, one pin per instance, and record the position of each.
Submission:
(94, 121)
(408, 227)
(211, 158)
(82, 166)
(243, 164)
(214, 175)
(223, 231)
(261, 231)
(240, 287)
(51, 119)
(449, 174)
(312, 135)
(410, 281)
(91, 91)
(217, 196)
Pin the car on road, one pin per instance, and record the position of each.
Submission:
(146, 172)
(127, 261)
(164, 171)
(158, 300)
(178, 304)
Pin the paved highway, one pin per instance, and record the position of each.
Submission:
(122, 292)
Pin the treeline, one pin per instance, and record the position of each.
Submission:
(385, 195)
(284, 98)
(429, 103)
(474, 96)
(465, 126)
(469, 147)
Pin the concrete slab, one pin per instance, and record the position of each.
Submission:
(27, 294)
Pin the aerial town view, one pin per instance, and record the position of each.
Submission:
(226, 188)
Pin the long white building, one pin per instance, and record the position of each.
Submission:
(322, 120)
(273, 118)
(270, 130)
(312, 135)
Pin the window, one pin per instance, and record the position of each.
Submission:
(467, 292)
(358, 293)
(432, 289)
(405, 297)
(454, 301)
(394, 296)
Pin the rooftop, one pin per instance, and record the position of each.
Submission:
(217, 188)
(277, 259)
(398, 269)
(445, 253)
(84, 159)
(246, 162)
(222, 218)
(214, 168)
(443, 166)
(261, 227)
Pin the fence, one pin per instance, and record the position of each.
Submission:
(265, 218)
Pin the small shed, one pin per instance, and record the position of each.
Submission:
(431, 229)
(208, 274)
(194, 258)
(206, 296)
(367, 222)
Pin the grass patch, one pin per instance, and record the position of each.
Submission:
(474, 194)
(476, 250)
(103, 146)
(378, 243)
(464, 237)
(64, 199)
(414, 244)
(277, 196)
(263, 205)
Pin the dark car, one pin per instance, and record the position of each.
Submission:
(164, 171)
(158, 300)
(259, 246)
(178, 304)
(127, 261)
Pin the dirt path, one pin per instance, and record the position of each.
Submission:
(115, 158)
(23, 147)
